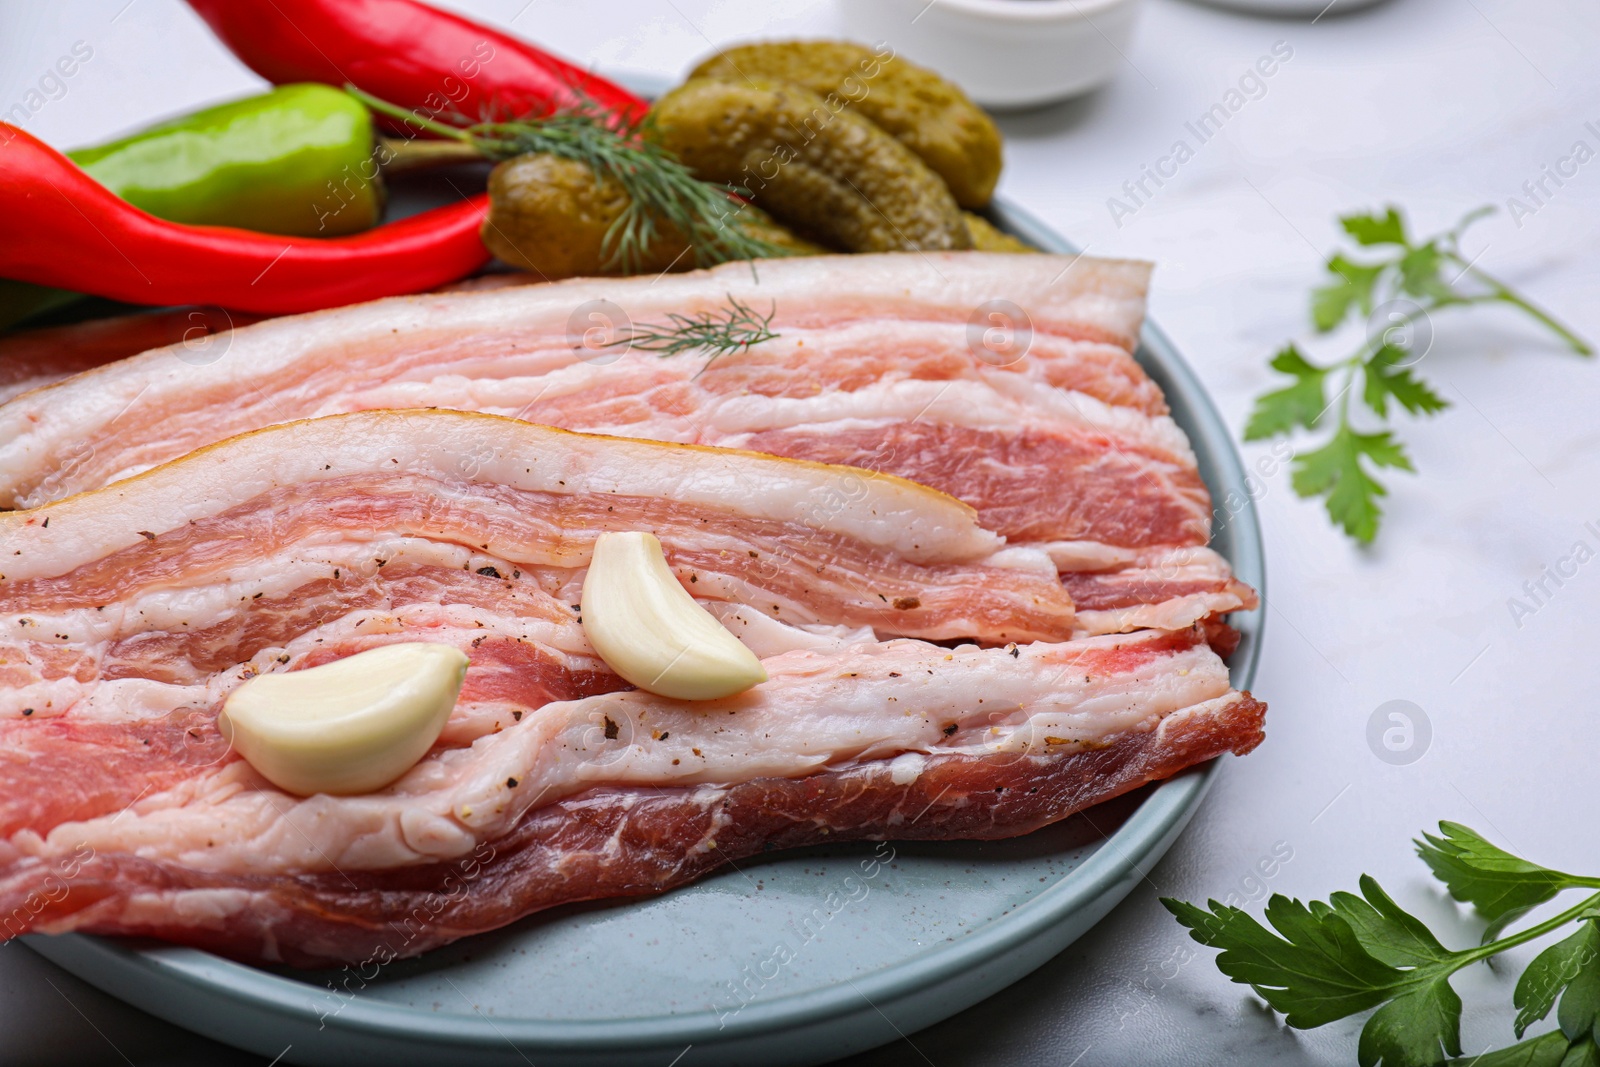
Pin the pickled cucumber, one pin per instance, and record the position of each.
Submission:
(812, 163)
(549, 215)
(985, 238)
(926, 113)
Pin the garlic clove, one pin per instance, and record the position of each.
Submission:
(351, 726)
(649, 630)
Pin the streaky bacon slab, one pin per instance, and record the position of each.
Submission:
(127, 614)
(845, 316)
(34, 358)
(875, 366)
(822, 544)
(307, 886)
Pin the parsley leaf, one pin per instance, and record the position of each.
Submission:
(1419, 273)
(1383, 450)
(1385, 378)
(1337, 958)
(1373, 230)
(1331, 959)
(1316, 972)
(1580, 1003)
(1501, 886)
(1556, 970)
(1412, 1029)
(1582, 1054)
(1546, 1050)
(1383, 928)
(1331, 303)
(1415, 279)
(1300, 404)
(1336, 470)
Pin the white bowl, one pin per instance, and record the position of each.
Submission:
(1004, 53)
(1299, 8)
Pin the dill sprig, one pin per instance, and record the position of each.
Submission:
(663, 194)
(734, 328)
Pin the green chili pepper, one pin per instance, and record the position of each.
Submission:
(296, 160)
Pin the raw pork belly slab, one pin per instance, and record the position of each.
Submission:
(877, 365)
(128, 614)
(34, 358)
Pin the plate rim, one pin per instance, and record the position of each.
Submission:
(1142, 838)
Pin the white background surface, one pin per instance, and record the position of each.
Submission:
(1439, 105)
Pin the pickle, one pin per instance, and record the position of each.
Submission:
(811, 163)
(550, 215)
(985, 238)
(926, 113)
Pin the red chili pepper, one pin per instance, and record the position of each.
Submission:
(70, 231)
(408, 54)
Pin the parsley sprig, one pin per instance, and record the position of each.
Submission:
(1326, 960)
(1414, 281)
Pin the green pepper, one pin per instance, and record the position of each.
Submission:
(296, 160)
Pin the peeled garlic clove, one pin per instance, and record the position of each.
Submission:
(351, 726)
(650, 630)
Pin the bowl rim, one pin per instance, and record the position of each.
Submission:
(1029, 11)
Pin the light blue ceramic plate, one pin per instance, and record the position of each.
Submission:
(795, 959)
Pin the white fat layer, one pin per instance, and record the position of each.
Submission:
(1087, 555)
(1181, 562)
(1174, 613)
(889, 513)
(906, 768)
(1023, 557)
(766, 636)
(41, 699)
(875, 702)
(195, 909)
(1001, 402)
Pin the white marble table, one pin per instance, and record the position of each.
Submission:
(1440, 105)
